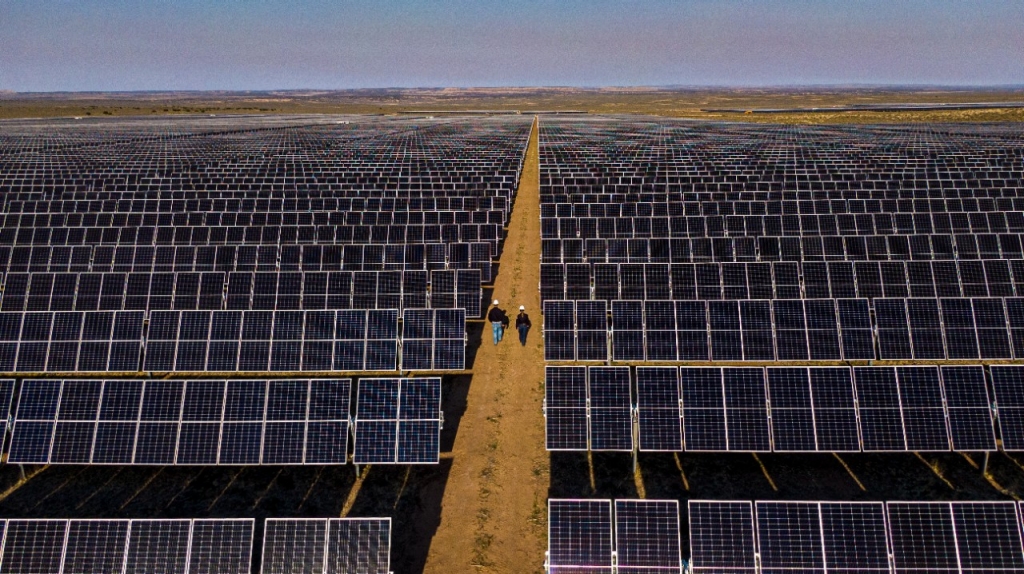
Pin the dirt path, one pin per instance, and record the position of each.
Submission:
(494, 513)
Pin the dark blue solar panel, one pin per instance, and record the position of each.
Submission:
(658, 409)
(881, 422)
(580, 536)
(1008, 393)
(793, 424)
(704, 427)
(565, 408)
(610, 411)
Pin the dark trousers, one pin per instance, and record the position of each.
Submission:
(522, 333)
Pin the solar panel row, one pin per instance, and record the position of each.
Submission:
(768, 249)
(629, 536)
(902, 201)
(780, 329)
(194, 546)
(181, 422)
(228, 258)
(188, 546)
(444, 289)
(780, 409)
(782, 280)
(855, 537)
(119, 213)
(790, 225)
(234, 422)
(269, 203)
(222, 341)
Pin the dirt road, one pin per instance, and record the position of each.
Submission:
(493, 517)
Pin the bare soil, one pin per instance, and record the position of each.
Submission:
(493, 515)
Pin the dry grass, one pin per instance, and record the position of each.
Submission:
(683, 103)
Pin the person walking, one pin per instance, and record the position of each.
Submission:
(495, 316)
(523, 324)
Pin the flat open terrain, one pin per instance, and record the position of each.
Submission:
(673, 102)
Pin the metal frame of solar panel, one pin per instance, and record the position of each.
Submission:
(168, 422)
(326, 545)
(634, 536)
(397, 421)
(127, 545)
(588, 408)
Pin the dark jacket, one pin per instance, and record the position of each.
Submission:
(523, 319)
(495, 315)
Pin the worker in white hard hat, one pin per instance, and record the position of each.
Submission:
(523, 324)
(496, 317)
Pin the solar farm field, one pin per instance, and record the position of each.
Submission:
(240, 345)
(779, 349)
(259, 344)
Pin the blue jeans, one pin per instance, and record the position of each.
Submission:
(496, 329)
(523, 329)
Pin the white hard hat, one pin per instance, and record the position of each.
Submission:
(522, 308)
(495, 301)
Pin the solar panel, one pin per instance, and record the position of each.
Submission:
(721, 537)
(627, 330)
(219, 545)
(610, 408)
(658, 409)
(835, 412)
(968, 408)
(565, 408)
(855, 329)
(854, 537)
(580, 536)
(881, 422)
(359, 545)
(746, 410)
(398, 421)
(703, 398)
(792, 421)
(789, 536)
(893, 329)
(1008, 393)
(647, 536)
(559, 331)
(591, 331)
(924, 418)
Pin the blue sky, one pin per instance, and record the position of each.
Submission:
(57, 45)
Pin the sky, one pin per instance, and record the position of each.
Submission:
(113, 45)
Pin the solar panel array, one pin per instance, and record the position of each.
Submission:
(768, 232)
(785, 330)
(327, 546)
(132, 221)
(186, 546)
(205, 422)
(222, 422)
(783, 280)
(855, 537)
(347, 340)
(261, 291)
(634, 536)
(781, 409)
